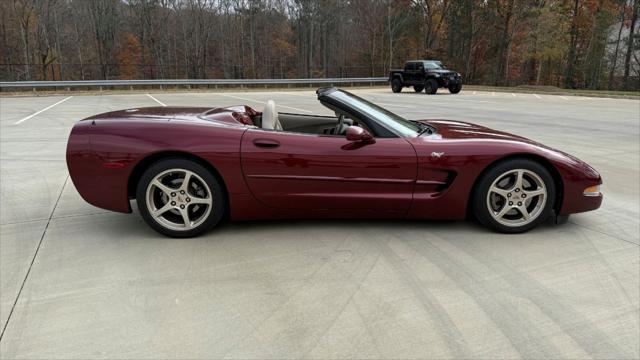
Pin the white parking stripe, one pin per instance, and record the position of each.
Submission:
(474, 92)
(263, 102)
(563, 97)
(538, 96)
(41, 111)
(156, 100)
(512, 94)
(476, 101)
(396, 105)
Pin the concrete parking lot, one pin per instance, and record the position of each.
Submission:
(81, 282)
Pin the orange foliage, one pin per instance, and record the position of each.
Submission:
(129, 57)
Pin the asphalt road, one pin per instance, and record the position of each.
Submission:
(81, 282)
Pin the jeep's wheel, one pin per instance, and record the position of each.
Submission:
(180, 198)
(396, 85)
(454, 89)
(418, 88)
(431, 86)
(514, 196)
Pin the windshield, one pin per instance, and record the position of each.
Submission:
(434, 65)
(391, 121)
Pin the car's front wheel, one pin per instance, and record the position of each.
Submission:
(180, 198)
(454, 89)
(514, 196)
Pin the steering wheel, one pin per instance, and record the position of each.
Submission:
(341, 127)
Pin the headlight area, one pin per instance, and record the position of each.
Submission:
(592, 191)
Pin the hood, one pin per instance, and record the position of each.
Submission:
(442, 71)
(452, 129)
(460, 130)
(156, 112)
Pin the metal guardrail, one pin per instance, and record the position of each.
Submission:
(187, 82)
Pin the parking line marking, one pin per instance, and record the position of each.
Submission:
(512, 94)
(298, 93)
(41, 111)
(474, 93)
(395, 105)
(156, 100)
(538, 96)
(477, 101)
(564, 98)
(263, 102)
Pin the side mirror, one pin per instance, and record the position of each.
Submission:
(356, 133)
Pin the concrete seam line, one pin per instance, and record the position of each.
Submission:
(44, 232)
(600, 232)
(41, 111)
(156, 100)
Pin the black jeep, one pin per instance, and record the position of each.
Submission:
(428, 75)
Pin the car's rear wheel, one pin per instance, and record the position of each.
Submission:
(180, 198)
(431, 86)
(396, 85)
(418, 88)
(454, 89)
(514, 196)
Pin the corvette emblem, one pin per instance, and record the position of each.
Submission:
(437, 155)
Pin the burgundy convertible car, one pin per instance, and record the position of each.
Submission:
(189, 167)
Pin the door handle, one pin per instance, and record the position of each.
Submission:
(266, 143)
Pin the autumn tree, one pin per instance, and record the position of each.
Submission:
(500, 42)
(129, 56)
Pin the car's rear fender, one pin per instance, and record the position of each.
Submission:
(396, 75)
(104, 157)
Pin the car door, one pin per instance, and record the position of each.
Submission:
(418, 78)
(287, 170)
(409, 73)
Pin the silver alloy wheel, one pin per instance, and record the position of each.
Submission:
(179, 199)
(517, 197)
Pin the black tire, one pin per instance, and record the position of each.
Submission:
(455, 88)
(201, 178)
(481, 201)
(418, 88)
(431, 86)
(396, 85)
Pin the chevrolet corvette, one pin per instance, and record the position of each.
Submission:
(187, 168)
